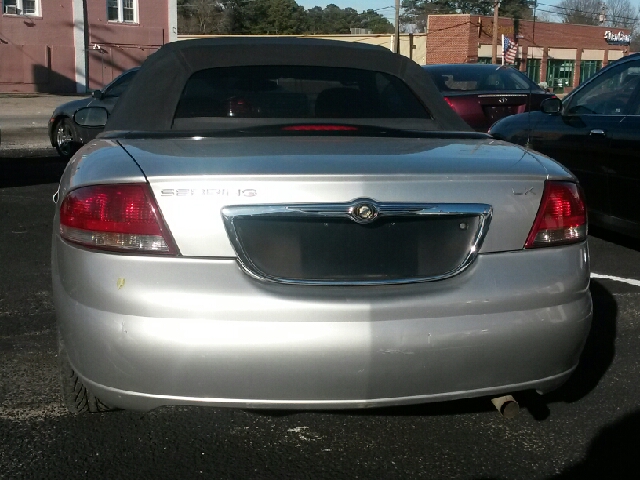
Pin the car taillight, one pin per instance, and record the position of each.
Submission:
(561, 218)
(115, 217)
(449, 102)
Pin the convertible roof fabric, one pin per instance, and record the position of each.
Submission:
(150, 102)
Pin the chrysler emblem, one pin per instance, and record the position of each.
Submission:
(364, 212)
(502, 100)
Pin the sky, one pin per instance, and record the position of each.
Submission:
(387, 7)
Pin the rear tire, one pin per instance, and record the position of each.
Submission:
(75, 395)
(65, 138)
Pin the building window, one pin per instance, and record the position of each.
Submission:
(21, 7)
(533, 69)
(560, 74)
(588, 68)
(124, 11)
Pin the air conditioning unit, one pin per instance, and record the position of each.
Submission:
(11, 10)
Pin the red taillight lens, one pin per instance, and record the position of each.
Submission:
(449, 102)
(115, 217)
(561, 218)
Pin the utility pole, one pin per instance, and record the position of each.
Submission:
(397, 40)
(494, 45)
(603, 16)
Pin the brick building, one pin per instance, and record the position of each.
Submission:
(560, 55)
(71, 46)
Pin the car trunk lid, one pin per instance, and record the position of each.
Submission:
(286, 206)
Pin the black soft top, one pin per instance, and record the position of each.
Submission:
(150, 102)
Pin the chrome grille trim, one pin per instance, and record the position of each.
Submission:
(348, 210)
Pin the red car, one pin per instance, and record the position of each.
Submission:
(483, 94)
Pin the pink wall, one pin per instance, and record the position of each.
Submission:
(37, 53)
(115, 47)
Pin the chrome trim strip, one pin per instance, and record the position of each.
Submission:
(156, 399)
(348, 210)
(496, 95)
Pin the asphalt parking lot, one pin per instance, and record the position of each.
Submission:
(587, 429)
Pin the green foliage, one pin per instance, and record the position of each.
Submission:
(273, 17)
(277, 17)
(417, 11)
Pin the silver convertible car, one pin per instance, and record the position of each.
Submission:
(306, 224)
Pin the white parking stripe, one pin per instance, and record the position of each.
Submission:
(630, 281)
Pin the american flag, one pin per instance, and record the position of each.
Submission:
(509, 50)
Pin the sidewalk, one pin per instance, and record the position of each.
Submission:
(24, 119)
(29, 110)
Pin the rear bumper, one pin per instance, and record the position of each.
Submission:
(144, 332)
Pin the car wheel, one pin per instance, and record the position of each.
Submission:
(64, 137)
(75, 395)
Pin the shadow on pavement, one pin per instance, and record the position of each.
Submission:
(612, 454)
(20, 171)
(614, 237)
(598, 352)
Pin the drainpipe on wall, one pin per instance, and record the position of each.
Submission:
(173, 20)
(80, 44)
(85, 15)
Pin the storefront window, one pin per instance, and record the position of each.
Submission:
(588, 68)
(560, 74)
(533, 69)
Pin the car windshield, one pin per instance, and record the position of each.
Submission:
(120, 84)
(452, 78)
(610, 94)
(296, 92)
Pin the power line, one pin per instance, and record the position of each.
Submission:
(577, 10)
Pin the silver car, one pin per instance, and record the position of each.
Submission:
(304, 224)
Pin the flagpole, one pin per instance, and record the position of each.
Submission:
(503, 52)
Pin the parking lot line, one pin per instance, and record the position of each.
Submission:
(630, 281)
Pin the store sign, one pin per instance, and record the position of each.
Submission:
(619, 38)
(487, 29)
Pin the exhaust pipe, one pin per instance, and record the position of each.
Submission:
(507, 406)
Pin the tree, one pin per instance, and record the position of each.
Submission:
(277, 17)
(635, 43)
(583, 12)
(314, 20)
(200, 16)
(375, 22)
(620, 13)
(335, 20)
(616, 14)
(415, 12)
(517, 9)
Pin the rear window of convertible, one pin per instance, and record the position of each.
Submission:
(297, 92)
